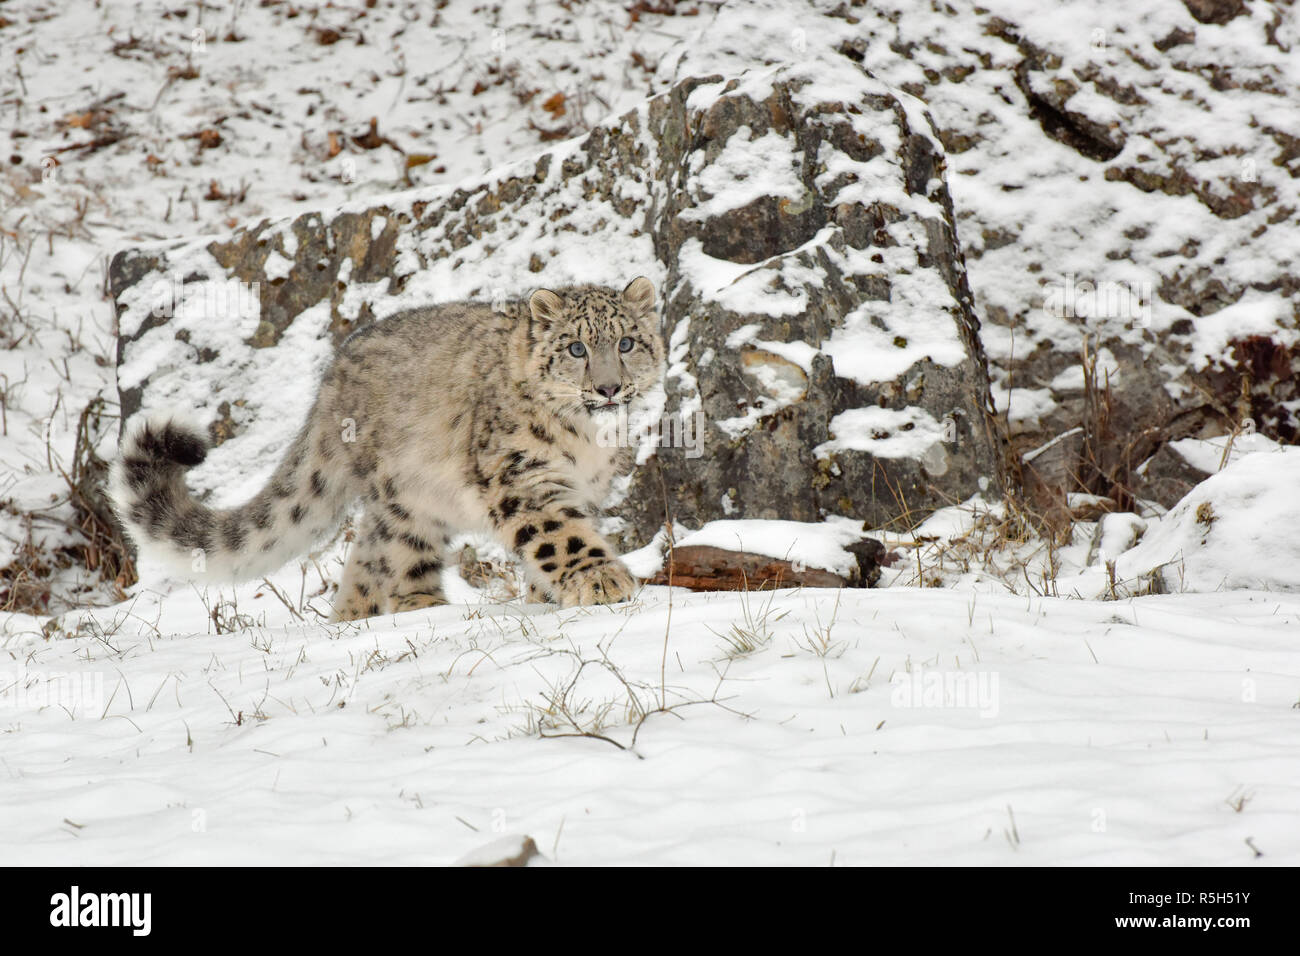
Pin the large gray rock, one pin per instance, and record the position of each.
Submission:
(796, 220)
(1125, 184)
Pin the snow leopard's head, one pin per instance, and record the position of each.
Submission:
(594, 350)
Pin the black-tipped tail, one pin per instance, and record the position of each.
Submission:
(158, 510)
(148, 484)
(166, 442)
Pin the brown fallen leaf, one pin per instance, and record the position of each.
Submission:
(549, 135)
(555, 105)
(371, 139)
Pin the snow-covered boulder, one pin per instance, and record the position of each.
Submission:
(1180, 465)
(825, 358)
(1239, 528)
(1123, 174)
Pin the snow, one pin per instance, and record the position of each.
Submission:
(743, 335)
(1118, 532)
(879, 341)
(745, 170)
(1211, 454)
(1023, 406)
(815, 545)
(1264, 314)
(883, 432)
(887, 727)
(277, 266)
(1240, 528)
(744, 289)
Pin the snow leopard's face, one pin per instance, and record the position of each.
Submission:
(595, 350)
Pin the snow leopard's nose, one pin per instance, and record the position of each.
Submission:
(607, 391)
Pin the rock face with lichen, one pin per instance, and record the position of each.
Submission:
(825, 358)
(1125, 182)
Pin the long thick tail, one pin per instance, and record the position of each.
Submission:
(298, 507)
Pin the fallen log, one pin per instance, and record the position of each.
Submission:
(704, 568)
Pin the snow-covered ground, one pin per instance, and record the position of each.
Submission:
(897, 726)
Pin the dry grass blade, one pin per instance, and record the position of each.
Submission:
(754, 630)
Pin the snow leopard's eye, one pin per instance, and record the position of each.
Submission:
(625, 343)
(577, 350)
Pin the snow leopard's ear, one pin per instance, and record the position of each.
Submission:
(639, 296)
(546, 307)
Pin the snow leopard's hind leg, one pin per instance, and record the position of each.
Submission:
(395, 564)
(362, 592)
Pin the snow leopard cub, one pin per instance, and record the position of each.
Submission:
(446, 418)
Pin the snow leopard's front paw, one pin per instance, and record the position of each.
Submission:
(605, 583)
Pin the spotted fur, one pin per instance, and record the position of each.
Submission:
(441, 419)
